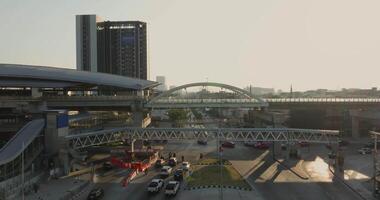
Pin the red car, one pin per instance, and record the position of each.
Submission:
(262, 145)
(228, 144)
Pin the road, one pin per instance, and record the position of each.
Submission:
(269, 179)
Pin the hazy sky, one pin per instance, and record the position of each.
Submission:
(268, 43)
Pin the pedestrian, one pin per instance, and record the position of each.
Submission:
(170, 155)
(183, 158)
(174, 155)
(146, 171)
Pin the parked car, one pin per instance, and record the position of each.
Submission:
(262, 145)
(159, 163)
(202, 142)
(228, 144)
(365, 150)
(166, 171)
(95, 194)
(172, 161)
(303, 144)
(172, 188)
(178, 175)
(186, 166)
(155, 185)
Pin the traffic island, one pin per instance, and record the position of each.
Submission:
(213, 161)
(215, 176)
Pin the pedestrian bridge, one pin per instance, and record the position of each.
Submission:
(230, 134)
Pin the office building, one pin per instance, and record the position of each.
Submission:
(115, 47)
(162, 81)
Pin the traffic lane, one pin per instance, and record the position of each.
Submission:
(273, 181)
(136, 189)
(274, 184)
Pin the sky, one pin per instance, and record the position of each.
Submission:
(309, 44)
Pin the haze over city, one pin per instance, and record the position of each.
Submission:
(309, 44)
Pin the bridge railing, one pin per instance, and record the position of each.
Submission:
(322, 100)
(231, 134)
(206, 101)
(100, 98)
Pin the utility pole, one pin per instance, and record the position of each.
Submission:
(375, 169)
(220, 150)
(22, 171)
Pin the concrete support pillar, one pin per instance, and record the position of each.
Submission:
(140, 93)
(355, 127)
(36, 92)
(55, 131)
(64, 161)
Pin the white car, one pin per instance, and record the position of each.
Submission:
(365, 150)
(166, 171)
(155, 185)
(172, 188)
(185, 166)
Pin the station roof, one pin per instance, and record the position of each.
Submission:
(15, 75)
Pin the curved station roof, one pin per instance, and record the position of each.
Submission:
(14, 75)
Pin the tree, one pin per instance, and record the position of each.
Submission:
(177, 115)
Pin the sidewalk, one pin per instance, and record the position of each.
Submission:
(59, 189)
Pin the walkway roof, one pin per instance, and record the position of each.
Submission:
(15, 75)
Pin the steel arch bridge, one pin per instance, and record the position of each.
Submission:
(231, 134)
(247, 100)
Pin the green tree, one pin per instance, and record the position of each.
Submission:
(178, 116)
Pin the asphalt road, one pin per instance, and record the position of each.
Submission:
(270, 180)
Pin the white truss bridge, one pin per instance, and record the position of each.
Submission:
(230, 134)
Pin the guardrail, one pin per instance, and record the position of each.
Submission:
(322, 100)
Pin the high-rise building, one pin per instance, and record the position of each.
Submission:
(86, 43)
(115, 47)
(162, 81)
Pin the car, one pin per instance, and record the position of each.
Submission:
(365, 150)
(228, 144)
(166, 171)
(303, 144)
(343, 143)
(159, 163)
(172, 188)
(95, 194)
(249, 144)
(262, 145)
(284, 146)
(172, 161)
(371, 145)
(186, 166)
(155, 185)
(332, 155)
(178, 175)
(107, 166)
(202, 142)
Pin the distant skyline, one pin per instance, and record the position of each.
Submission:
(273, 44)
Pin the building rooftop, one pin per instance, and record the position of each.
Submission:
(15, 75)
